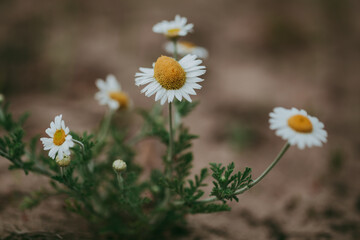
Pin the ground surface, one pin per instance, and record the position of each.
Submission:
(301, 54)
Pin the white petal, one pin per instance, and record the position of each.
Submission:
(113, 104)
(58, 121)
(101, 85)
(171, 95)
(53, 152)
(160, 94)
(113, 84)
(163, 99)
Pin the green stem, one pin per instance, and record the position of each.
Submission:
(105, 126)
(39, 170)
(4, 155)
(80, 144)
(277, 159)
(175, 49)
(257, 180)
(2, 115)
(171, 137)
(168, 167)
(120, 181)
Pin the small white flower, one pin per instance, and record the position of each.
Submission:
(297, 127)
(119, 166)
(175, 28)
(184, 47)
(110, 93)
(170, 78)
(60, 140)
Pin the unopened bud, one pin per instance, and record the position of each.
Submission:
(119, 166)
(2, 98)
(63, 162)
(222, 178)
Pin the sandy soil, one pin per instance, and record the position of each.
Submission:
(262, 55)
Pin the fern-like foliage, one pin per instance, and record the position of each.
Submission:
(139, 208)
(226, 184)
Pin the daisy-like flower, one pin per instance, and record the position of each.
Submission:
(297, 127)
(60, 140)
(175, 28)
(110, 93)
(184, 47)
(170, 78)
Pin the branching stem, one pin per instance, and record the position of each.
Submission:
(257, 180)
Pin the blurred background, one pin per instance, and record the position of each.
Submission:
(263, 54)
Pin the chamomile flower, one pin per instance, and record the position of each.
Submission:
(60, 140)
(110, 94)
(175, 28)
(184, 47)
(297, 127)
(170, 78)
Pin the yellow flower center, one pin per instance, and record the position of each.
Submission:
(173, 32)
(121, 98)
(169, 73)
(59, 137)
(187, 44)
(300, 123)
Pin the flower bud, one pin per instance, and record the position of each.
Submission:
(63, 162)
(119, 166)
(2, 98)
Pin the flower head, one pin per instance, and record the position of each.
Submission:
(184, 47)
(110, 94)
(119, 166)
(297, 127)
(175, 28)
(170, 78)
(60, 140)
(63, 162)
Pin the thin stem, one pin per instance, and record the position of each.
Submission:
(2, 115)
(277, 159)
(120, 181)
(168, 167)
(105, 126)
(257, 180)
(171, 137)
(42, 171)
(4, 155)
(79, 143)
(175, 49)
(35, 169)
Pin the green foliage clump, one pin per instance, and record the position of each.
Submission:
(136, 209)
(227, 184)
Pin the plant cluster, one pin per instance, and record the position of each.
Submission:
(96, 175)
